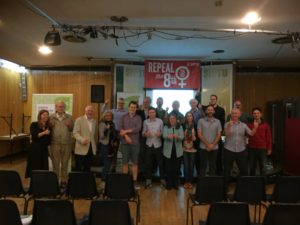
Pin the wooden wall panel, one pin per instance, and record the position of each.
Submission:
(10, 92)
(255, 89)
(76, 83)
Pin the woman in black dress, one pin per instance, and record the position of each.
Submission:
(40, 137)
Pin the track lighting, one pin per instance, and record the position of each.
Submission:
(52, 38)
(93, 33)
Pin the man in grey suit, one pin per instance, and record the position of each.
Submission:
(84, 133)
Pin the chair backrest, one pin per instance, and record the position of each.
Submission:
(82, 185)
(225, 213)
(279, 214)
(11, 184)
(286, 189)
(9, 213)
(44, 183)
(250, 189)
(104, 212)
(210, 189)
(53, 212)
(119, 186)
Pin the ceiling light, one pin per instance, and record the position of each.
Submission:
(52, 38)
(251, 18)
(74, 38)
(45, 50)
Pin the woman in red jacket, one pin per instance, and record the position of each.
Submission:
(260, 145)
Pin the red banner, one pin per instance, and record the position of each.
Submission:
(163, 74)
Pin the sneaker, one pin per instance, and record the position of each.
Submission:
(148, 183)
(63, 185)
(136, 186)
(163, 183)
(186, 185)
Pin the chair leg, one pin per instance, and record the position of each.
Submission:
(187, 211)
(25, 207)
(26, 204)
(254, 220)
(137, 212)
(259, 213)
(192, 215)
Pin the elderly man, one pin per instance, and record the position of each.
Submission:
(179, 116)
(235, 149)
(84, 133)
(197, 113)
(244, 117)
(61, 141)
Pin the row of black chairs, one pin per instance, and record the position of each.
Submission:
(249, 189)
(81, 185)
(237, 213)
(61, 212)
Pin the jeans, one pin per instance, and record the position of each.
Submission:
(208, 158)
(189, 164)
(257, 156)
(241, 159)
(153, 154)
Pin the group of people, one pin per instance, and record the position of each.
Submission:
(54, 131)
(151, 137)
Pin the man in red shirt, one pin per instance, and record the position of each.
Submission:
(260, 145)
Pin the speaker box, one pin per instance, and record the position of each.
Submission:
(97, 93)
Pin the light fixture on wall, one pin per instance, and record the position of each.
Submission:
(52, 38)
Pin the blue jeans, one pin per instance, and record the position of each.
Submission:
(189, 164)
(259, 156)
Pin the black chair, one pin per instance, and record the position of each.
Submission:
(9, 213)
(225, 213)
(208, 190)
(53, 212)
(11, 186)
(251, 190)
(44, 184)
(104, 212)
(282, 214)
(286, 190)
(82, 185)
(121, 187)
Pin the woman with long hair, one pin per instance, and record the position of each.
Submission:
(107, 141)
(189, 151)
(172, 151)
(40, 140)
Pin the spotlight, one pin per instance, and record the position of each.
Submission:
(52, 38)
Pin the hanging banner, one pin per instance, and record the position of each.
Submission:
(162, 74)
